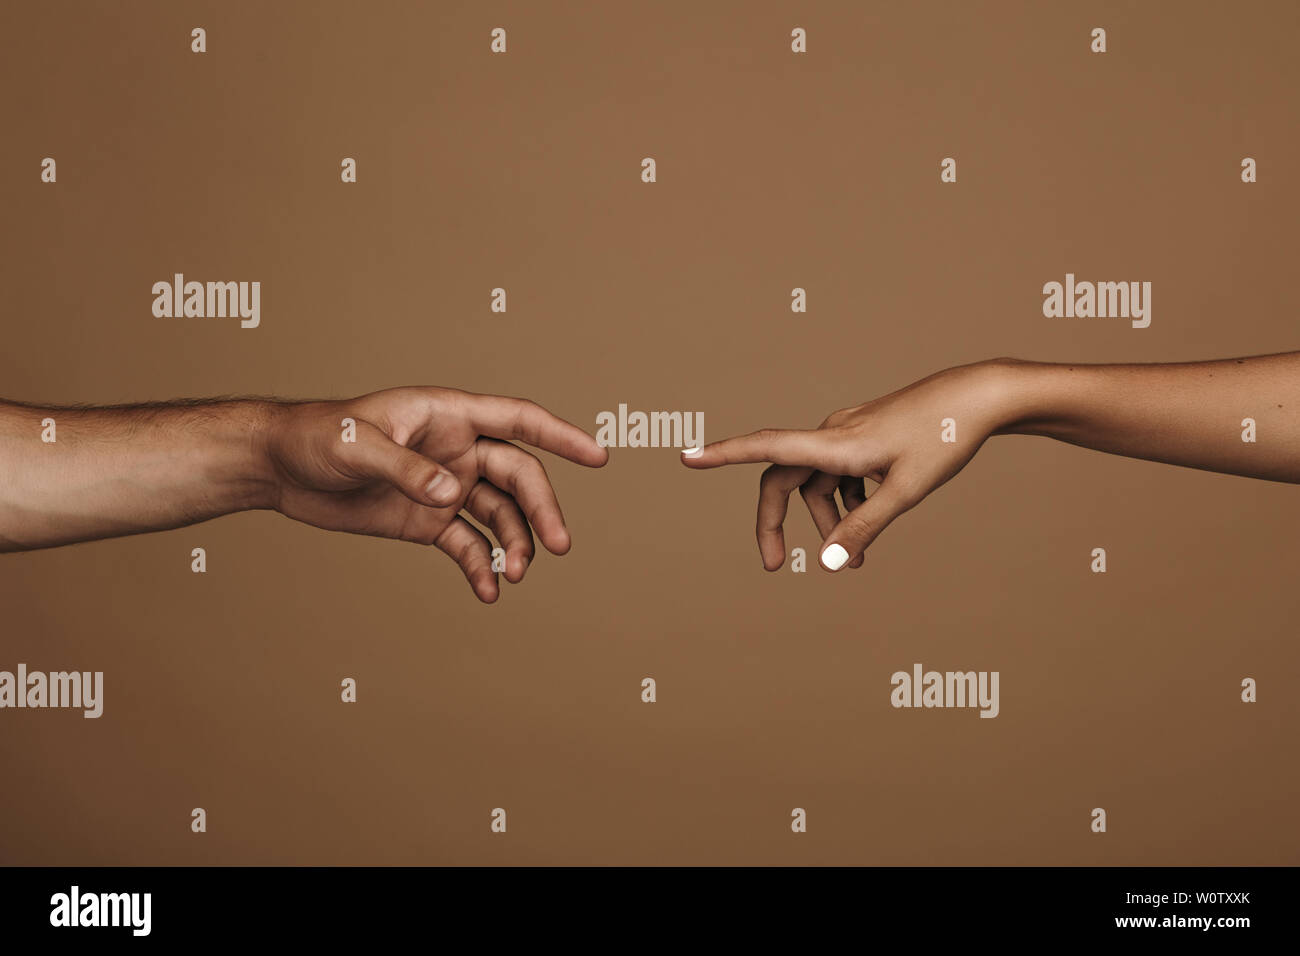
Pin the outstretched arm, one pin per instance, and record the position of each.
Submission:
(401, 463)
(912, 441)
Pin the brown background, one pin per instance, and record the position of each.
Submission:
(775, 170)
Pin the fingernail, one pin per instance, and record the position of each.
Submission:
(692, 452)
(430, 489)
(833, 557)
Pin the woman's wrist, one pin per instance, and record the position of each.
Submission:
(994, 392)
(1020, 394)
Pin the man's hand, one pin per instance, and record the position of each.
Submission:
(414, 459)
(420, 457)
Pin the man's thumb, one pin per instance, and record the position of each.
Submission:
(421, 479)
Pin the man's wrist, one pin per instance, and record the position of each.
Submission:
(249, 433)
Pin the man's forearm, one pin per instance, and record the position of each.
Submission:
(128, 469)
(1191, 414)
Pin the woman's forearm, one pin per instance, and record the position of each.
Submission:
(1196, 414)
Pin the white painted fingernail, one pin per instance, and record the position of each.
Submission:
(834, 557)
(692, 452)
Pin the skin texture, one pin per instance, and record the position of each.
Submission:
(1186, 414)
(423, 458)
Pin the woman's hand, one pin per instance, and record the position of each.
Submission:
(908, 443)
